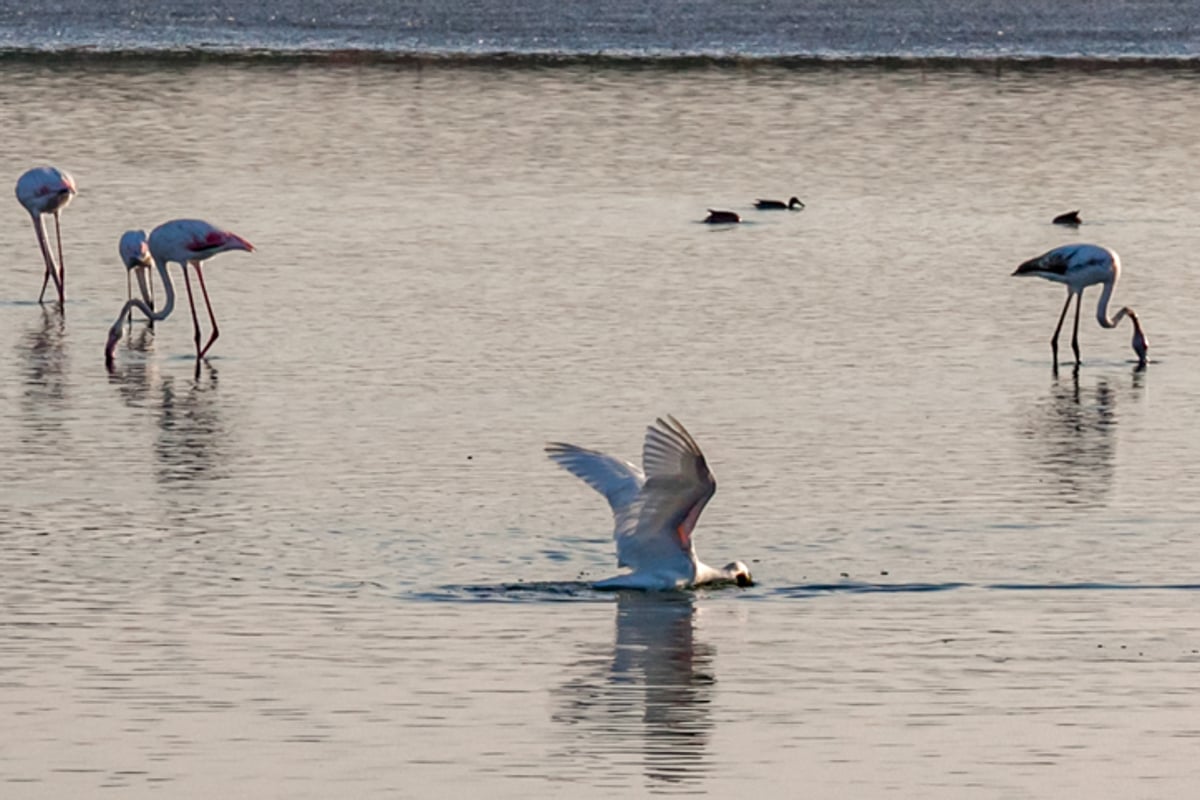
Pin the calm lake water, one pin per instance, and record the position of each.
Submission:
(338, 564)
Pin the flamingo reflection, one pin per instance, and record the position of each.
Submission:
(650, 695)
(1073, 431)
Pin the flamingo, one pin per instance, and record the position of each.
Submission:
(1080, 266)
(794, 204)
(721, 217)
(188, 242)
(135, 254)
(655, 510)
(47, 190)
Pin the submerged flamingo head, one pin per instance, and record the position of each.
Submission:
(739, 573)
(114, 336)
(1141, 345)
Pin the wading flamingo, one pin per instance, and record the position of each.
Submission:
(46, 190)
(1080, 266)
(187, 242)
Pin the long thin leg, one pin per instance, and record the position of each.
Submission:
(1075, 335)
(1054, 339)
(47, 256)
(62, 267)
(215, 331)
(129, 295)
(191, 302)
(150, 287)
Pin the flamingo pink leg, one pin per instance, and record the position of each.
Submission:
(1075, 334)
(211, 317)
(62, 267)
(48, 257)
(1057, 330)
(191, 302)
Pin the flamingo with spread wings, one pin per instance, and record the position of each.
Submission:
(655, 509)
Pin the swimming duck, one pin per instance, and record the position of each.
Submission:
(721, 217)
(774, 205)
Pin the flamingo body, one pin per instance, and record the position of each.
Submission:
(655, 509)
(134, 248)
(44, 190)
(1079, 266)
(47, 190)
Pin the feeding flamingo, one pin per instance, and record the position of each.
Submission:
(654, 511)
(47, 190)
(187, 242)
(135, 255)
(1080, 266)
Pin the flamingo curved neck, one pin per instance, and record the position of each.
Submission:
(159, 315)
(1102, 307)
(168, 290)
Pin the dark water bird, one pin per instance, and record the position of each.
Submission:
(1070, 218)
(655, 509)
(47, 190)
(778, 205)
(1080, 266)
(721, 217)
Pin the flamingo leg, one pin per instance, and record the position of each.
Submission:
(211, 317)
(47, 256)
(192, 303)
(1054, 338)
(150, 286)
(62, 267)
(1075, 334)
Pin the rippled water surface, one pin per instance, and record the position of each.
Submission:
(337, 562)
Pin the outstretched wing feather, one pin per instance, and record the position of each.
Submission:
(678, 486)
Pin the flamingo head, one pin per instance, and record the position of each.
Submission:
(739, 573)
(114, 336)
(1141, 345)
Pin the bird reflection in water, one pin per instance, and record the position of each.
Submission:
(43, 369)
(651, 694)
(191, 430)
(1074, 433)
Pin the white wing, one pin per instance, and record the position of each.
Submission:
(619, 481)
(677, 486)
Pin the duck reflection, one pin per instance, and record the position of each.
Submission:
(652, 694)
(1074, 433)
(43, 368)
(191, 429)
